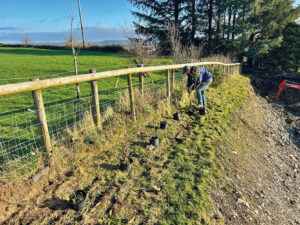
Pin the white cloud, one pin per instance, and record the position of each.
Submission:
(92, 34)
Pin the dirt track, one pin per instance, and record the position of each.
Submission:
(262, 182)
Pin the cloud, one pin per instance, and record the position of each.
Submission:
(8, 28)
(92, 34)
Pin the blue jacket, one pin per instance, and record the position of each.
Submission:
(203, 77)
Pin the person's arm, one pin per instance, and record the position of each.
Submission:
(190, 82)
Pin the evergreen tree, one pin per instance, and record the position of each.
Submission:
(268, 18)
(238, 27)
(154, 16)
(287, 56)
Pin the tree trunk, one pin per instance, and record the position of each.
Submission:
(83, 44)
(229, 23)
(218, 20)
(210, 15)
(194, 19)
(250, 60)
(176, 13)
(76, 73)
(224, 24)
(233, 24)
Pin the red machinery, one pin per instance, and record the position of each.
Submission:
(286, 83)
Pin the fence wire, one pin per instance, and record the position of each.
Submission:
(20, 139)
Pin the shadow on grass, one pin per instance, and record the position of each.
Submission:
(109, 166)
(56, 204)
(141, 144)
(47, 52)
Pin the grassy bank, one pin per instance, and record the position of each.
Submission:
(167, 185)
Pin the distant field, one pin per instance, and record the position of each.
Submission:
(21, 64)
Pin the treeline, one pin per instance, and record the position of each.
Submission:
(246, 29)
(89, 47)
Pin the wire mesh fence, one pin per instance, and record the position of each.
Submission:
(21, 143)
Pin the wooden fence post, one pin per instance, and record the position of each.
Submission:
(168, 85)
(41, 116)
(141, 80)
(172, 79)
(96, 105)
(131, 96)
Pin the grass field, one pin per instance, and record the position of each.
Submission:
(19, 127)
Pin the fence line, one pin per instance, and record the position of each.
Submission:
(55, 82)
(33, 129)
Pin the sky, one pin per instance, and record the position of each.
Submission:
(49, 21)
(46, 21)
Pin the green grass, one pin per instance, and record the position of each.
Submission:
(19, 126)
(21, 64)
(185, 172)
(192, 172)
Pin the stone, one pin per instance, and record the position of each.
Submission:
(289, 120)
(242, 201)
(38, 176)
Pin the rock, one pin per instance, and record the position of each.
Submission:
(295, 166)
(289, 120)
(152, 188)
(38, 176)
(234, 214)
(242, 201)
(235, 152)
(229, 179)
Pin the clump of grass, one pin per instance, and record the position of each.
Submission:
(218, 76)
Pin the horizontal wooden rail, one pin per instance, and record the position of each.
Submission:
(55, 82)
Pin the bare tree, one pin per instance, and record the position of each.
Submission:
(27, 41)
(144, 51)
(74, 44)
(83, 44)
(181, 53)
(174, 36)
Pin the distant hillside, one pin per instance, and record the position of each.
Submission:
(124, 43)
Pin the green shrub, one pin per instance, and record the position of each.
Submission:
(218, 76)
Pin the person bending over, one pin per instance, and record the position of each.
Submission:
(199, 79)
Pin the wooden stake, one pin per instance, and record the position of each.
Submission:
(41, 116)
(141, 80)
(172, 80)
(168, 85)
(96, 105)
(131, 96)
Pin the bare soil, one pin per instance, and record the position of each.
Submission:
(261, 183)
